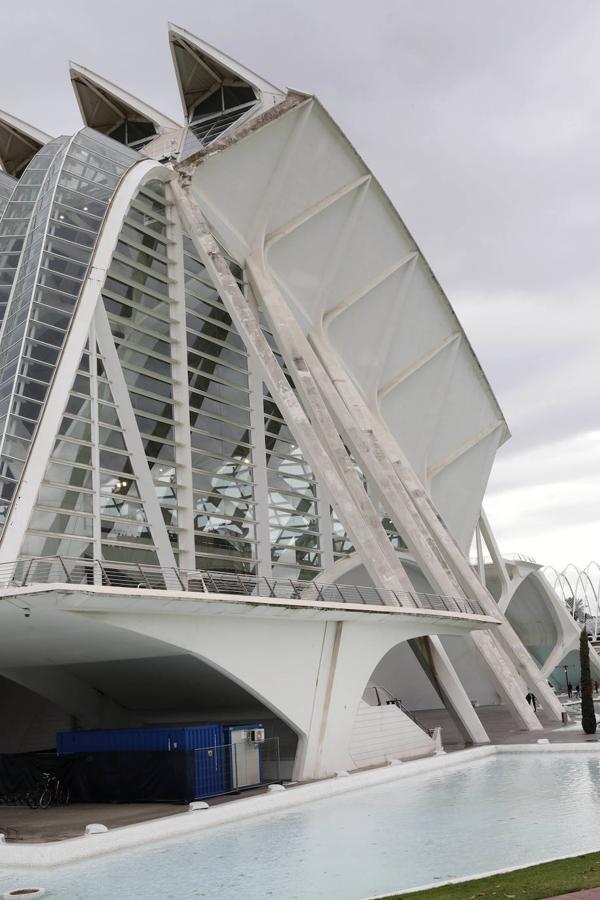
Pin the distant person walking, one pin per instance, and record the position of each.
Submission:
(577, 692)
(596, 685)
(532, 700)
(570, 690)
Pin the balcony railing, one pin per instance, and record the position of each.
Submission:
(137, 576)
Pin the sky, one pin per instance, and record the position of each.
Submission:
(481, 118)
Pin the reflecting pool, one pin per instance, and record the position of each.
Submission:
(502, 811)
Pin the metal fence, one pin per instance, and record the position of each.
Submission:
(137, 576)
(236, 766)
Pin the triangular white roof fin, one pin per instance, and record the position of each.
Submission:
(111, 110)
(201, 68)
(19, 142)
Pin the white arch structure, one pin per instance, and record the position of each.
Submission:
(222, 349)
(577, 585)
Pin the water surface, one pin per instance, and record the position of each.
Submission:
(492, 813)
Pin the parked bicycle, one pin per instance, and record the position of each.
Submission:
(51, 792)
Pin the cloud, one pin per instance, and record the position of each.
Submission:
(545, 501)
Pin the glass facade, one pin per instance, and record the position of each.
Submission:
(189, 421)
(298, 532)
(222, 445)
(64, 195)
(17, 214)
(294, 519)
(63, 519)
(137, 301)
(217, 112)
(135, 134)
(342, 544)
(7, 186)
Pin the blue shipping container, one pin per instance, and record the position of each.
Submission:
(206, 742)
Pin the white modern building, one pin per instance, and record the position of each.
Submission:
(244, 440)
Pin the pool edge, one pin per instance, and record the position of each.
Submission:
(153, 831)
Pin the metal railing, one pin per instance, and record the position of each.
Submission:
(138, 576)
(385, 698)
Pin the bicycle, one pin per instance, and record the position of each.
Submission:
(52, 792)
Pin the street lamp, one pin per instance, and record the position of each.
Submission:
(566, 668)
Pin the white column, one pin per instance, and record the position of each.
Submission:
(485, 532)
(259, 462)
(94, 416)
(480, 557)
(181, 404)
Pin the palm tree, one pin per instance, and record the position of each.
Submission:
(576, 609)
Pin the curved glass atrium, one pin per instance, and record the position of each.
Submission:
(133, 407)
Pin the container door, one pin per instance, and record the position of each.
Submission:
(209, 771)
(245, 760)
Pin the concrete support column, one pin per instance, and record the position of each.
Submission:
(347, 662)
(436, 664)
(484, 530)
(309, 755)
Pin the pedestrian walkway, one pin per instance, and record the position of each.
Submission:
(502, 728)
(591, 894)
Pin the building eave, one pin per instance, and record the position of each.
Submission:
(117, 104)
(213, 67)
(19, 142)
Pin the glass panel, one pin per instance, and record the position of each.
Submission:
(59, 498)
(61, 208)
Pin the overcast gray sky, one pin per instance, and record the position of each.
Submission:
(482, 120)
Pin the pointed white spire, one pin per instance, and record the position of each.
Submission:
(201, 68)
(19, 142)
(105, 107)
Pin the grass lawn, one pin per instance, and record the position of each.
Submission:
(548, 880)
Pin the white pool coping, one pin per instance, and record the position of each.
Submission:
(141, 834)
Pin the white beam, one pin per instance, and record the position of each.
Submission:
(432, 471)
(365, 289)
(397, 380)
(133, 441)
(314, 210)
(181, 390)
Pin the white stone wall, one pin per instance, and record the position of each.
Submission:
(385, 732)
